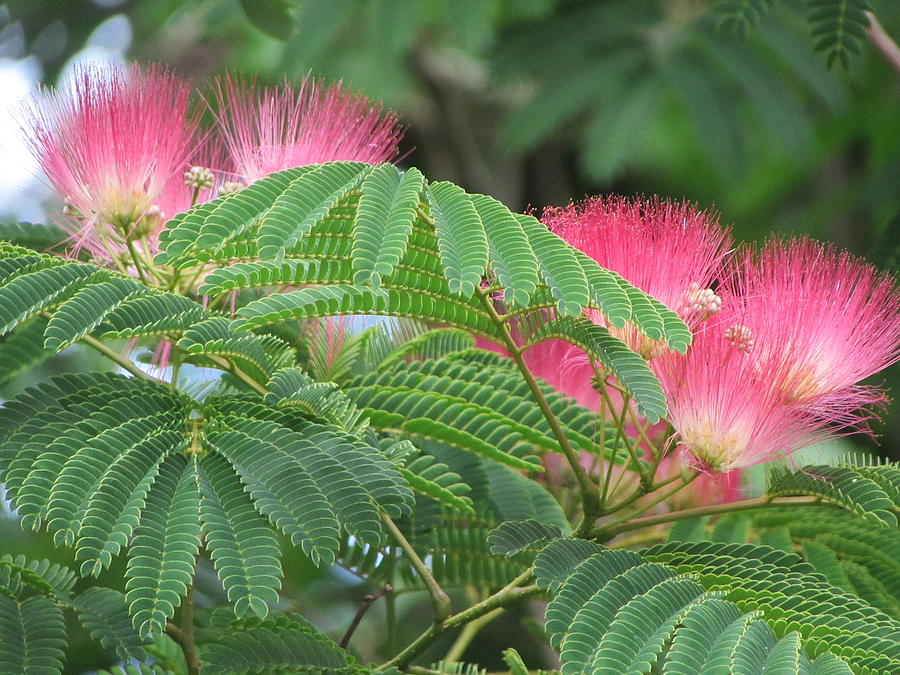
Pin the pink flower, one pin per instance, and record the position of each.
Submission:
(821, 321)
(725, 405)
(670, 250)
(268, 129)
(111, 148)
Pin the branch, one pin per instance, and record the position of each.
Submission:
(883, 42)
(361, 612)
(589, 497)
(238, 373)
(439, 597)
(120, 360)
(747, 505)
(507, 595)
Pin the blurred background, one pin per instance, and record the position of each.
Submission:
(536, 102)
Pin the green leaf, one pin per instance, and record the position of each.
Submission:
(300, 509)
(18, 576)
(461, 238)
(593, 620)
(304, 203)
(384, 220)
(739, 17)
(104, 612)
(37, 236)
(24, 296)
(641, 630)
(839, 28)
(514, 661)
(166, 543)
(700, 630)
(630, 370)
(272, 16)
(429, 476)
(845, 485)
(285, 644)
(558, 560)
(515, 536)
(512, 257)
(241, 544)
(23, 349)
(559, 265)
(291, 387)
(86, 309)
(346, 300)
(34, 636)
(234, 214)
(433, 344)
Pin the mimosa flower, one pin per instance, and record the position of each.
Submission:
(271, 129)
(726, 406)
(110, 146)
(669, 250)
(822, 321)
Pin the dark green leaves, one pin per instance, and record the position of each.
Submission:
(839, 27)
(34, 636)
(512, 257)
(286, 644)
(272, 16)
(869, 491)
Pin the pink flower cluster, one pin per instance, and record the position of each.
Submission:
(124, 149)
(784, 333)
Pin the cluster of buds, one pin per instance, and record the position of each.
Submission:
(199, 178)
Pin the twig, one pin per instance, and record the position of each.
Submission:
(120, 360)
(361, 612)
(883, 42)
(439, 598)
(467, 634)
(184, 636)
(588, 491)
(505, 596)
(238, 373)
(732, 507)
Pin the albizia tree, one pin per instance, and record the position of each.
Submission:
(636, 361)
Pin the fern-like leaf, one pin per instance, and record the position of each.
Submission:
(303, 203)
(285, 644)
(461, 238)
(839, 28)
(845, 485)
(161, 561)
(243, 548)
(514, 537)
(384, 220)
(34, 636)
(104, 612)
(630, 369)
(512, 257)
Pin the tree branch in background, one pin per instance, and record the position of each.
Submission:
(883, 42)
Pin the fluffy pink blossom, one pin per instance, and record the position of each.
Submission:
(271, 129)
(821, 320)
(112, 147)
(726, 406)
(670, 250)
